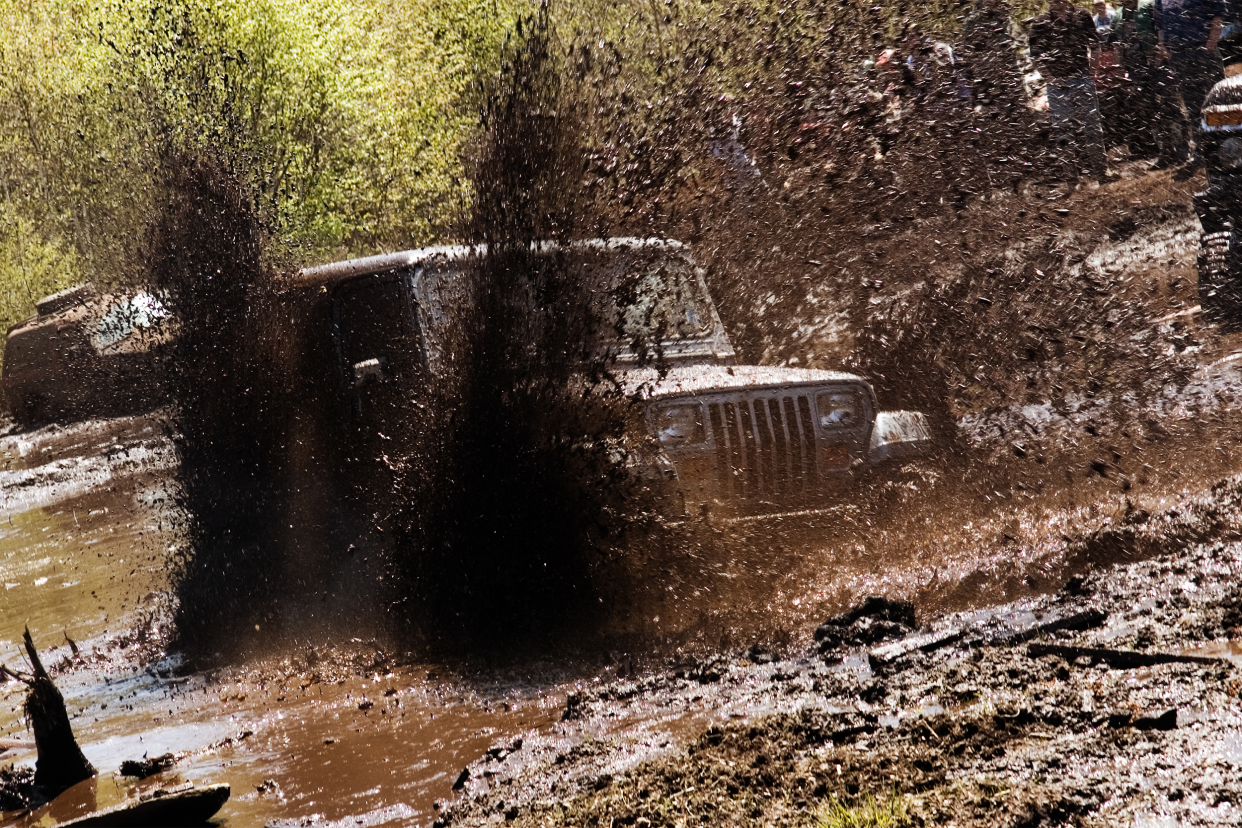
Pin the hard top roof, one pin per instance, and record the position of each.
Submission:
(337, 271)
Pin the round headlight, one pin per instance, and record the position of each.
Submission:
(1230, 154)
(837, 409)
(681, 424)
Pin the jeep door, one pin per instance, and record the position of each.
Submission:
(379, 348)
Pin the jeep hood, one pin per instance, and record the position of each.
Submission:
(647, 383)
(1225, 93)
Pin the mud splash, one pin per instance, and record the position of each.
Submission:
(206, 255)
(764, 165)
(514, 497)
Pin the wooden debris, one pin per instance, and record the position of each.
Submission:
(1118, 659)
(60, 764)
(141, 769)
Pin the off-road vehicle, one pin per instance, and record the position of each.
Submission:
(86, 353)
(1220, 205)
(732, 439)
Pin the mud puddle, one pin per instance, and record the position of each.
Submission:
(323, 743)
(91, 567)
(57, 462)
(336, 731)
(350, 730)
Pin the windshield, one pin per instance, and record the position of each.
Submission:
(140, 312)
(647, 295)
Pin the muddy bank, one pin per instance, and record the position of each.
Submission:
(1113, 701)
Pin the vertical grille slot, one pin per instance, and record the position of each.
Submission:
(736, 457)
(721, 436)
(749, 470)
(810, 467)
(797, 447)
(781, 461)
(767, 454)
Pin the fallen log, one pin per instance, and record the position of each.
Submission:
(165, 809)
(1120, 659)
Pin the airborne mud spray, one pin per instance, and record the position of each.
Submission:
(487, 517)
(847, 214)
(514, 515)
(206, 254)
(285, 539)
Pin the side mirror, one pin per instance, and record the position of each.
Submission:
(367, 371)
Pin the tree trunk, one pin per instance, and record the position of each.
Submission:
(61, 763)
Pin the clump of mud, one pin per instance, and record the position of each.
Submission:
(17, 788)
(1057, 710)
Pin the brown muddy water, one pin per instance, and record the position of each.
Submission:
(86, 537)
(330, 730)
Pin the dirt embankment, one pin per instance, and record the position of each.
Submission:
(1113, 702)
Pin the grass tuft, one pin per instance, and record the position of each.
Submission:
(885, 812)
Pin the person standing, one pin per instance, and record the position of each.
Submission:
(1103, 18)
(1154, 121)
(1111, 88)
(988, 46)
(1189, 31)
(1063, 41)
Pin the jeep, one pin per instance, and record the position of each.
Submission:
(1220, 206)
(85, 354)
(732, 439)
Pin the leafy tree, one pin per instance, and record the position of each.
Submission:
(347, 118)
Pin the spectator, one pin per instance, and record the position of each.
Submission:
(930, 70)
(1189, 32)
(1111, 87)
(1063, 41)
(988, 46)
(1154, 120)
(1103, 18)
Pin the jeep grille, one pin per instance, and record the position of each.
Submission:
(764, 447)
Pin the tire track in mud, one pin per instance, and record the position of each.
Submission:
(61, 480)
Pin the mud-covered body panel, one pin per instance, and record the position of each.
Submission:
(86, 354)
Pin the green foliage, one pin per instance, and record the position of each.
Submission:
(886, 812)
(347, 117)
(29, 268)
(351, 119)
